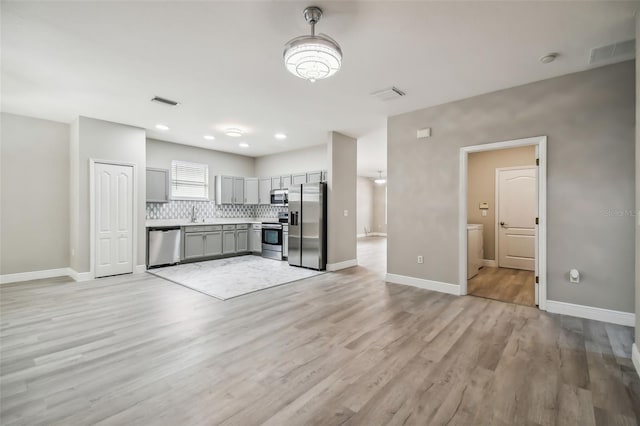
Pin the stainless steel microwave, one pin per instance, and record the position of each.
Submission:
(280, 197)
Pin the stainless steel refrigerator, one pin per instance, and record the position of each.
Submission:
(308, 225)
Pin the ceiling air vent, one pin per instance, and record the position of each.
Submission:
(613, 52)
(388, 94)
(165, 101)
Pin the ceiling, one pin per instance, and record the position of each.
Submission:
(223, 62)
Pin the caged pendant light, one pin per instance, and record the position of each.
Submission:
(312, 57)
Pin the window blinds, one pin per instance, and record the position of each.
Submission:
(189, 181)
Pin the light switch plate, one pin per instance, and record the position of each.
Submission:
(346, 213)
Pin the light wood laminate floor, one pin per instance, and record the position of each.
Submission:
(339, 348)
(504, 284)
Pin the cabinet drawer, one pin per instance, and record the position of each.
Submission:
(242, 226)
(192, 229)
(228, 227)
(256, 226)
(202, 228)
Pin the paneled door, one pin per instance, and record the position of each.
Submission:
(516, 192)
(113, 195)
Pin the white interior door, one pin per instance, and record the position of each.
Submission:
(517, 211)
(114, 219)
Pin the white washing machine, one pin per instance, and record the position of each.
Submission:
(475, 250)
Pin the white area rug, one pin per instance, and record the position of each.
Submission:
(234, 276)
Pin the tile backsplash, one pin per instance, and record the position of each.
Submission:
(181, 209)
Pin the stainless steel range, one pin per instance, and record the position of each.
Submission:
(272, 237)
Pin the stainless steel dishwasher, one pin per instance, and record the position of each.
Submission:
(163, 246)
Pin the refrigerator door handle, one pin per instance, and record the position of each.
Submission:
(291, 218)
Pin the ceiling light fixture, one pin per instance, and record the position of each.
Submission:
(234, 133)
(209, 137)
(280, 136)
(548, 58)
(313, 57)
(162, 127)
(243, 145)
(380, 180)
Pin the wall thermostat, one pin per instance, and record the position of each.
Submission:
(484, 206)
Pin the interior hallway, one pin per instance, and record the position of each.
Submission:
(504, 284)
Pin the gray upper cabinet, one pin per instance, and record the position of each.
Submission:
(229, 190)
(276, 182)
(314, 177)
(264, 191)
(298, 178)
(251, 191)
(157, 185)
(238, 190)
(286, 181)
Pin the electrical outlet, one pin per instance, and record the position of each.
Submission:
(346, 213)
(420, 259)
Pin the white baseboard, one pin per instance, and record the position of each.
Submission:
(490, 263)
(33, 275)
(590, 312)
(361, 235)
(635, 357)
(342, 265)
(424, 284)
(80, 276)
(139, 269)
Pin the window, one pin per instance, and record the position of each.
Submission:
(189, 181)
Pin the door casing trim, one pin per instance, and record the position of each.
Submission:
(541, 143)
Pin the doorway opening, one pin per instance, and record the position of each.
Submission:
(503, 221)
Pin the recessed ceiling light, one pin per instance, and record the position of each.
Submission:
(549, 58)
(280, 136)
(243, 145)
(162, 127)
(233, 132)
(209, 137)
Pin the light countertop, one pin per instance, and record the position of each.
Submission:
(208, 221)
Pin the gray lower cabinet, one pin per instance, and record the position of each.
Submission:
(256, 240)
(193, 245)
(285, 243)
(213, 243)
(228, 241)
(242, 240)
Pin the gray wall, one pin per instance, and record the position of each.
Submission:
(482, 187)
(589, 120)
(34, 194)
(379, 208)
(300, 160)
(364, 222)
(160, 154)
(102, 140)
(341, 195)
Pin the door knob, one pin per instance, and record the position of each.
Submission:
(502, 224)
